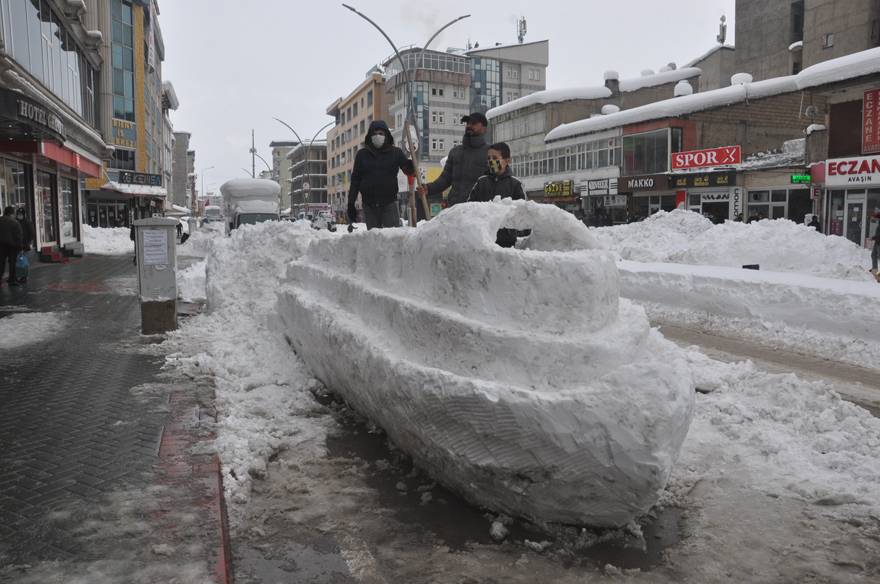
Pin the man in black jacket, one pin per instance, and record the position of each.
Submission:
(375, 177)
(464, 164)
(499, 182)
(10, 243)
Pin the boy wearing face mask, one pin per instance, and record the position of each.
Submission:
(465, 163)
(499, 182)
(374, 176)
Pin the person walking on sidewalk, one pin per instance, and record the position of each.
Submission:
(875, 249)
(27, 230)
(10, 243)
(465, 164)
(374, 176)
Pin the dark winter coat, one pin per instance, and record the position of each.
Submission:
(505, 186)
(10, 232)
(374, 175)
(27, 233)
(490, 186)
(465, 164)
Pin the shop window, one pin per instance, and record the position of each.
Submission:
(68, 210)
(759, 196)
(778, 196)
(646, 153)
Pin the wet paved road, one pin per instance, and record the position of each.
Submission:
(858, 384)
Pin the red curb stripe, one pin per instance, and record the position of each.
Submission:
(223, 569)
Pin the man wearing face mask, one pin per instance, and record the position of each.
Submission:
(374, 176)
(465, 164)
(499, 182)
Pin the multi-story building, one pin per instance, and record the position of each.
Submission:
(308, 170)
(441, 97)
(180, 169)
(781, 38)
(281, 168)
(49, 65)
(169, 102)
(353, 115)
(131, 112)
(524, 122)
(503, 73)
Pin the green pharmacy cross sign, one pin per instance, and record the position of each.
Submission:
(800, 179)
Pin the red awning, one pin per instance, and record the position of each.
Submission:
(68, 157)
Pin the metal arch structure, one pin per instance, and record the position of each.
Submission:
(409, 115)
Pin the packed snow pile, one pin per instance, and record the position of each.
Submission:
(262, 388)
(191, 282)
(783, 437)
(516, 377)
(780, 245)
(27, 328)
(107, 240)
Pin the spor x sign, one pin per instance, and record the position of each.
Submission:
(723, 156)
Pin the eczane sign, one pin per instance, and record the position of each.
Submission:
(841, 172)
(723, 156)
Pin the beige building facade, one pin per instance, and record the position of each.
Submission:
(353, 115)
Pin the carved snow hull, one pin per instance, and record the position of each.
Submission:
(514, 377)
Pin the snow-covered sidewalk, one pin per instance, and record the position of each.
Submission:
(764, 449)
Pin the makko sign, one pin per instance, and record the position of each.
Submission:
(841, 172)
(723, 156)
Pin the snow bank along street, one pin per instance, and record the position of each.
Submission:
(422, 354)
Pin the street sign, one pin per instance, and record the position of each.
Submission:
(801, 179)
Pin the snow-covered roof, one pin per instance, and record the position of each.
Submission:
(655, 79)
(250, 188)
(592, 92)
(550, 96)
(848, 67)
(709, 53)
(142, 190)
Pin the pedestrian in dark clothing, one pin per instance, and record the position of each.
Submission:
(875, 249)
(27, 230)
(10, 243)
(814, 223)
(374, 176)
(499, 182)
(465, 164)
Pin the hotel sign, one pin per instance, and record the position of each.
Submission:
(16, 107)
(841, 172)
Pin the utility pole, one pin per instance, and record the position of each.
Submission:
(253, 156)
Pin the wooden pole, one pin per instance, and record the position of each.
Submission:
(413, 151)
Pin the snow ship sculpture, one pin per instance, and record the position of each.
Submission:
(516, 377)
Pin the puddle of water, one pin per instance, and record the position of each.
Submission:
(318, 562)
(458, 523)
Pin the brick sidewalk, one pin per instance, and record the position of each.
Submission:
(96, 443)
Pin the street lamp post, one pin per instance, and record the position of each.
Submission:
(307, 183)
(202, 174)
(410, 98)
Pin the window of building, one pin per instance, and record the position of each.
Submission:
(370, 98)
(122, 60)
(513, 73)
(646, 153)
(123, 159)
(354, 111)
(828, 41)
(534, 74)
(797, 21)
(363, 127)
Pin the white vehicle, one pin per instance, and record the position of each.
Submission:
(324, 220)
(249, 201)
(212, 213)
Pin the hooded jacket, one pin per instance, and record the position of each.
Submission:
(465, 164)
(10, 232)
(503, 185)
(374, 175)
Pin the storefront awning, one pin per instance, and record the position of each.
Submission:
(136, 190)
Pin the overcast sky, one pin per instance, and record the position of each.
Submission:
(237, 64)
